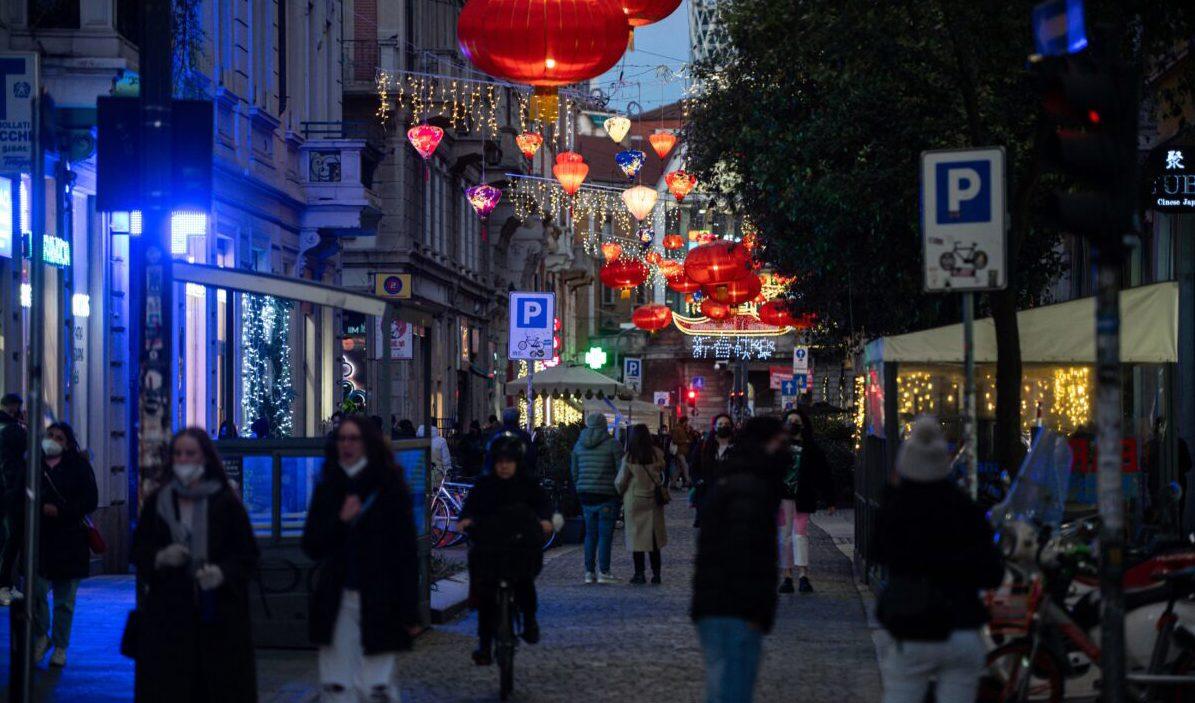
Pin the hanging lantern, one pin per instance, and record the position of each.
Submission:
(776, 312)
(683, 284)
(617, 127)
(718, 262)
(652, 318)
(425, 138)
(804, 321)
(630, 161)
(639, 200)
(529, 143)
(484, 198)
(646, 234)
(662, 143)
(611, 250)
(570, 169)
(670, 267)
(623, 275)
(715, 310)
(653, 257)
(643, 12)
(543, 44)
(735, 292)
(673, 242)
(680, 183)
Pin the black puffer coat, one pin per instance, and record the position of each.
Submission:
(815, 484)
(507, 539)
(70, 488)
(381, 545)
(736, 567)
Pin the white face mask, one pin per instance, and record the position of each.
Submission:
(51, 448)
(355, 468)
(187, 473)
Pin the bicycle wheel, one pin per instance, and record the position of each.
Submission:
(441, 529)
(1007, 666)
(504, 643)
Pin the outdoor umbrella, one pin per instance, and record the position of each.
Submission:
(567, 380)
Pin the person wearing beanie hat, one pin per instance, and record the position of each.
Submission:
(930, 536)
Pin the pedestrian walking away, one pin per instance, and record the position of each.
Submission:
(682, 440)
(734, 582)
(14, 442)
(594, 466)
(644, 491)
(806, 483)
(195, 554)
(360, 530)
(507, 516)
(68, 496)
(708, 458)
(938, 549)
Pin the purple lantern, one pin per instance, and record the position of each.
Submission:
(484, 198)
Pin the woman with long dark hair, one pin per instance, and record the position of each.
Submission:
(195, 554)
(643, 486)
(68, 495)
(709, 458)
(361, 530)
(806, 483)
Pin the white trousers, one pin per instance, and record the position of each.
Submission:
(956, 664)
(794, 535)
(346, 673)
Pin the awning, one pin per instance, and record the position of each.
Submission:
(1060, 334)
(626, 411)
(259, 283)
(567, 380)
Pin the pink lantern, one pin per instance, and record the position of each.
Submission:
(484, 198)
(425, 138)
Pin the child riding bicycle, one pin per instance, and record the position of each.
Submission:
(507, 516)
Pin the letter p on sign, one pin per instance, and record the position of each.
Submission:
(531, 310)
(962, 192)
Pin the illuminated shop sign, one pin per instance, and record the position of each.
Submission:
(55, 251)
(1174, 180)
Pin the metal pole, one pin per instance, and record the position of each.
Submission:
(1108, 468)
(969, 420)
(530, 398)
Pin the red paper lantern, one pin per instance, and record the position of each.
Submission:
(670, 267)
(674, 242)
(611, 250)
(776, 312)
(623, 275)
(735, 292)
(570, 169)
(662, 143)
(642, 12)
(653, 257)
(683, 284)
(715, 310)
(652, 318)
(718, 262)
(804, 321)
(680, 183)
(529, 143)
(544, 44)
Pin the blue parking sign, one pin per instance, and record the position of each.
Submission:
(963, 191)
(963, 223)
(532, 318)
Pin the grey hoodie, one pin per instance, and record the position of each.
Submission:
(595, 461)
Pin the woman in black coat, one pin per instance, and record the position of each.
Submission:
(68, 495)
(361, 531)
(708, 460)
(807, 483)
(195, 554)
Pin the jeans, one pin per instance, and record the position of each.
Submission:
(599, 533)
(64, 610)
(956, 664)
(732, 652)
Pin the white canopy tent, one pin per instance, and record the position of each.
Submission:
(622, 412)
(567, 380)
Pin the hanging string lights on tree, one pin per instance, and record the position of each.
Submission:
(630, 161)
(529, 143)
(680, 183)
(662, 143)
(617, 127)
(640, 200)
(484, 198)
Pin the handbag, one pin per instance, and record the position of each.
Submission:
(661, 494)
(912, 607)
(95, 541)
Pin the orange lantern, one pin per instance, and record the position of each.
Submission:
(529, 143)
(718, 262)
(662, 143)
(680, 183)
(715, 310)
(570, 170)
(776, 312)
(653, 257)
(670, 267)
(652, 318)
(611, 250)
(623, 275)
(735, 292)
(673, 242)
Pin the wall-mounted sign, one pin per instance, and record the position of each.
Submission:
(402, 338)
(7, 222)
(662, 398)
(55, 251)
(392, 285)
(1174, 179)
(18, 88)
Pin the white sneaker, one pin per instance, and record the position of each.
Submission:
(5, 597)
(606, 577)
(41, 645)
(590, 577)
(58, 658)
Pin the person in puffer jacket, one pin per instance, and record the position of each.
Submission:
(594, 465)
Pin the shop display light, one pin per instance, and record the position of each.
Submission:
(184, 224)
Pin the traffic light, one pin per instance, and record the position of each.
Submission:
(691, 398)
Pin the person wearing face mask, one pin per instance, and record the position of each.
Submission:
(803, 485)
(68, 495)
(734, 579)
(195, 553)
(709, 459)
(361, 532)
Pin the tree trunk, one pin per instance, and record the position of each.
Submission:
(1007, 440)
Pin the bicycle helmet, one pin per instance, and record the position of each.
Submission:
(508, 445)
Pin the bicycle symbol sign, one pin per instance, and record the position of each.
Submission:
(962, 220)
(531, 325)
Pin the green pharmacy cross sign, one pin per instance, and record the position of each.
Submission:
(595, 357)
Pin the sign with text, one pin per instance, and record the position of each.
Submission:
(777, 375)
(402, 340)
(800, 359)
(632, 373)
(963, 232)
(19, 83)
(1174, 179)
(532, 317)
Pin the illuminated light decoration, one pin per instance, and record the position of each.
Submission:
(669, 268)
(776, 312)
(425, 138)
(26, 295)
(529, 143)
(736, 292)
(617, 127)
(81, 305)
(715, 310)
(640, 200)
(804, 321)
(194, 290)
(184, 225)
(646, 234)
(611, 250)
(750, 241)
(672, 242)
(570, 169)
(266, 387)
(623, 275)
(595, 358)
(652, 318)
(662, 143)
(55, 251)
(653, 257)
(733, 346)
(543, 44)
(630, 161)
(701, 236)
(718, 262)
(484, 198)
(680, 183)
(1072, 396)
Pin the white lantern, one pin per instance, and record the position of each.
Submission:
(639, 200)
(617, 127)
